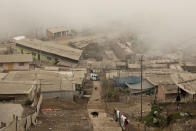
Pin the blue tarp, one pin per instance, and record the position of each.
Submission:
(129, 80)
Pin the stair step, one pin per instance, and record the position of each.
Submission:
(105, 123)
(108, 129)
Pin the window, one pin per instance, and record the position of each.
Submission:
(49, 58)
(34, 54)
(21, 64)
(38, 56)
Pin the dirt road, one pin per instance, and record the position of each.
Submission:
(96, 104)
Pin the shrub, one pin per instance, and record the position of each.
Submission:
(173, 117)
(28, 102)
(161, 121)
(109, 91)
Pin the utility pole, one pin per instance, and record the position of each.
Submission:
(118, 80)
(141, 82)
(73, 75)
(40, 83)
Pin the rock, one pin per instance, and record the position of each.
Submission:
(181, 114)
(155, 112)
(164, 114)
(155, 120)
(38, 122)
(186, 114)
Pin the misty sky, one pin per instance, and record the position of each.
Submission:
(158, 22)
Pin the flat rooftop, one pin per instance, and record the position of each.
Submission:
(52, 48)
(134, 66)
(15, 87)
(16, 58)
(57, 29)
(51, 81)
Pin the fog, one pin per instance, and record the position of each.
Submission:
(158, 23)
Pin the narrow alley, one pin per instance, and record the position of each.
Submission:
(96, 104)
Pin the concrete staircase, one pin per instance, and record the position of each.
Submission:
(102, 122)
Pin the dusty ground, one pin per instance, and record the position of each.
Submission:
(184, 107)
(130, 106)
(68, 116)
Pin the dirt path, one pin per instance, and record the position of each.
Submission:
(102, 122)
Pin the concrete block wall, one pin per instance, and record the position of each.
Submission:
(25, 123)
(68, 95)
(43, 57)
(16, 66)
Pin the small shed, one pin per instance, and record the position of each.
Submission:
(18, 90)
(186, 83)
(121, 65)
(134, 67)
(57, 32)
(147, 87)
(167, 89)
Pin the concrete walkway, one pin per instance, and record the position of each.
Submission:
(102, 122)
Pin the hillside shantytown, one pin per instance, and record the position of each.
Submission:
(104, 77)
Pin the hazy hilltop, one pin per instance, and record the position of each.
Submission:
(158, 23)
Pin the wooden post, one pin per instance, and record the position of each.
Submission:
(16, 123)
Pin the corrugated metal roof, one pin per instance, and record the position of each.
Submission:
(16, 58)
(51, 47)
(157, 79)
(165, 81)
(186, 81)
